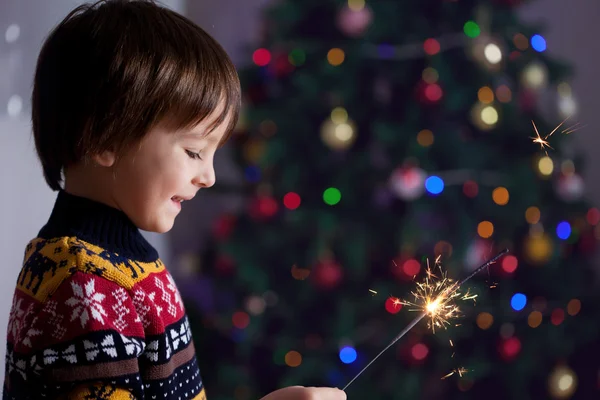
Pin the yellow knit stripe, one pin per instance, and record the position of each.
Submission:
(70, 255)
(201, 395)
(98, 391)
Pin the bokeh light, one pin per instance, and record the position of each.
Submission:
(485, 229)
(532, 215)
(471, 29)
(510, 263)
(485, 320)
(538, 43)
(434, 184)
(348, 355)
(563, 230)
(261, 57)
(291, 200)
(425, 138)
(293, 358)
(574, 307)
(332, 196)
(534, 319)
(336, 56)
(500, 196)
(518, 301)
(393, 305)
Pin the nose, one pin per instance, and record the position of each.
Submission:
(205, 177)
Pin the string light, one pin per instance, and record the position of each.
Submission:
(518, 301)
(261, 57)
(471, 29)
(546, 165)
(563, 230)
(291, 200)
(332, 196)
(485, 229)
(538, 43)
(348, 355)
(434, 185)
(336, 56)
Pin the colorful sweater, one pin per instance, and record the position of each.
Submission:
(96, 315)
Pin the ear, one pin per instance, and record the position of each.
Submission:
(105, 159)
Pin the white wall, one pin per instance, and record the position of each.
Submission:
(25, 200)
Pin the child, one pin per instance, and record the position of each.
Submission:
(130, 102)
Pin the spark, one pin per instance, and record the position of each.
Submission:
(543, 142)
(436, 296)
(460, 371)
(373, 291)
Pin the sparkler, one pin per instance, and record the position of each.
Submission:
(543, 142)
(435, 298)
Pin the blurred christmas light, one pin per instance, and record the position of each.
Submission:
(291, 200)
(484, 320)
(557, 317)
(574, 307)
(503, 94)
(471, 29)
(507, 330)
(518, 301)
(332, 196)
(434, 185)
(567, 106)
(593, 216)
(356, 5)
(562, 383)
(521, 41)
(348, 355)
(393, 305)
(535, 76)
(300, 274)
(336, 56)
(430, 75)
(485, 229)
(485, 95)
(470, 189)
(510, 263)
(411, 267)
(492, 53)
(12, 33)
(564, 89)
(267, 128)
(538, 43)
(563, 230)
(297, 57)
(489, 115)
(510, 348)
(255, 305)
(546, 165)
(240, 319)
(419, 351)
(538, 248)
(431, 47)
(500, 196)
(252, 174)
(532, 215)
(261, 57)
(338, 136)
(339, 115)
(433, 92)
(293, 358)
(567, 167)
(534, 319)
(425, 138)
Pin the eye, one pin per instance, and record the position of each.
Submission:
(195, 156)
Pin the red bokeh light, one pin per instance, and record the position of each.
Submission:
(291, 200)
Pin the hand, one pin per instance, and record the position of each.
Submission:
(306, 393)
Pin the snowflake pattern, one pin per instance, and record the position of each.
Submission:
(86, 303)
(120, 308)
(15, 321)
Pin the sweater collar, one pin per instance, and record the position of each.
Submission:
(97, 224)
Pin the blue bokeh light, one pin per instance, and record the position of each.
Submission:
(386, 50)
(252, 174)
(563, 230)
(347, 355)
(434, 184)
(518, 301)
(538, 43)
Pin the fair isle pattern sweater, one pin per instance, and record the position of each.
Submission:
(96, 315)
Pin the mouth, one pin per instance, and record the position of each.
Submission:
(178, 199)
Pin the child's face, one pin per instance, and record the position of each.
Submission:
(151, 180)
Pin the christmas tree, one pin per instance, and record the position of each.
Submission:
(377, 137)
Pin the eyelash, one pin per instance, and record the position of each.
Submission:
(195, 156)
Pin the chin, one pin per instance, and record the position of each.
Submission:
(158, 226)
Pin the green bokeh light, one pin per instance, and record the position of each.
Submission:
(471, 29)
(332, 196)
(297, 57)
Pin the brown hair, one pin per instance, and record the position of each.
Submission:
(112, 70)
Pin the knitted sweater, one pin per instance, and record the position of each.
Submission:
(96, 315)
